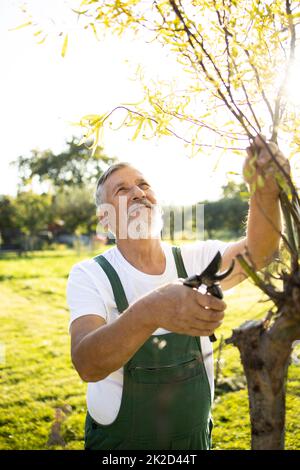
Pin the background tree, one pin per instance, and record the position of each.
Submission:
(227, 216)
(76, 207)
(9, 224)
(24, 217)
(33, 214)
(76, 166)
(224, 219)
(33, 211)
(72, 175)
(235, 190)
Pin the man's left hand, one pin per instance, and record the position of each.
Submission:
(260, 170)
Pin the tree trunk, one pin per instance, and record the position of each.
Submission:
(267, 412)
(265, 357)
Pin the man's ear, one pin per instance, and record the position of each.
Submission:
(104, 221)
(102, 214)
(100, 217)
(107, 216)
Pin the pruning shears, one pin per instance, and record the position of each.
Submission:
(210, 279)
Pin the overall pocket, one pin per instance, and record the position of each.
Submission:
(167, 373)
(172, 408)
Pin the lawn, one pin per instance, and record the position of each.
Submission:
(42, 402)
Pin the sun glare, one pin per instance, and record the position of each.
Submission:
(292, 88)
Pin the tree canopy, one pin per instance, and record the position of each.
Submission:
(236, 85)
(75, 166)
(237, 59)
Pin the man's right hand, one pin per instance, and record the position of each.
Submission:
(184, 310)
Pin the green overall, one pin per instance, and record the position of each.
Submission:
(166, 398)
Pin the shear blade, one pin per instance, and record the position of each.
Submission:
(211, 271)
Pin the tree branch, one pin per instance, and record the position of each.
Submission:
(238, 114)
(169, 130)
(278, 102)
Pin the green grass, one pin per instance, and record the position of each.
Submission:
(41, 391)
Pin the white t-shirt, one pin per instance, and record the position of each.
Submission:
(89, 292)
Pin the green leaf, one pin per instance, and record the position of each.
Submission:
(249, 270)
(289, 226)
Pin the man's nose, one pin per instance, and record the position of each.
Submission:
(137, 193)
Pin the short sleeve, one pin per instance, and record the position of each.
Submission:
(211, 247)
(83, 297)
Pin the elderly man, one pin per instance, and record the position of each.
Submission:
(139, 337)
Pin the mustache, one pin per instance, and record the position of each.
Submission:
(136, 205)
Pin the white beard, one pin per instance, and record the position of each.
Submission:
(148, 224)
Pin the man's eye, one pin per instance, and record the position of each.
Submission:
(121, 189)
(145, 185)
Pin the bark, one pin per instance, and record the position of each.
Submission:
(265, 355)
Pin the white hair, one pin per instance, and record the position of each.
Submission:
(104, 177)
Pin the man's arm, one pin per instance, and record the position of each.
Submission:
(262, 240)
(264, 218)
(97, 349)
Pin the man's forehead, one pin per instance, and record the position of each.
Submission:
(125, 174)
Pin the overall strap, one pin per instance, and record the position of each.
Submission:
(118, 291)
(183, 274)
(179, 262)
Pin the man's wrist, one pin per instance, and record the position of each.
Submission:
(267, 196)
(147, 311)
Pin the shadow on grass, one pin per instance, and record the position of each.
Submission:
(230, 384)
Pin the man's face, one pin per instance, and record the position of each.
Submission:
(130, 206)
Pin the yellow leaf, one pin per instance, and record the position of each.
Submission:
(42, 40)
(65, 45)
(91, 117)
(79, 12)
(260, 181)
(92, 25)
(134, 104)
(150, 124)
(234, 52)
(21, 26)
(138, 129)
